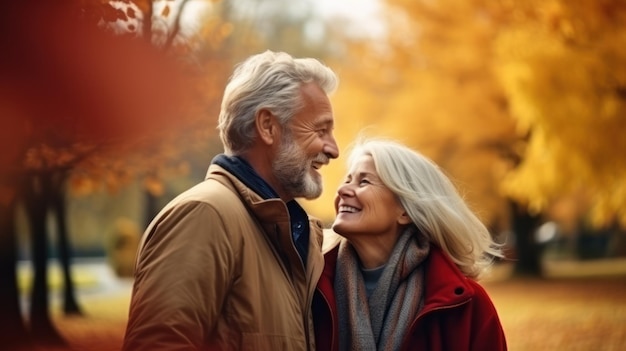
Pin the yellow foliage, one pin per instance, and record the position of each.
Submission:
(432, 89)
(563, 73)
(513, 99)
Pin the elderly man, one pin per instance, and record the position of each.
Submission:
(232, 263)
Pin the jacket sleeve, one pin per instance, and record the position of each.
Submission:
(182, 275)
(487, 332)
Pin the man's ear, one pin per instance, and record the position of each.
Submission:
(266, 126)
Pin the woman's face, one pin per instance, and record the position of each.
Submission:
(365, 206)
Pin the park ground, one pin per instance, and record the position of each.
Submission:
(579, 306)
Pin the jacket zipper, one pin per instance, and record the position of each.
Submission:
(307, 316)
(332, 321)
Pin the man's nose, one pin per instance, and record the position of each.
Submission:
(330, 148)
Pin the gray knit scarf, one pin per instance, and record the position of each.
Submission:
(381, 322)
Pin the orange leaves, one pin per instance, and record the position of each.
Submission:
(73, 96)
(215, 31)
(143, 5)
(166, 11)
(89, 85)
(154, 186)
(44, 157)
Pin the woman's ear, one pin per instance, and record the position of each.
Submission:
(266, 126)
(404, 219)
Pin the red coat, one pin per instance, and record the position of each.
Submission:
(457, 315)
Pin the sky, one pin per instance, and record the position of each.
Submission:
(357, 18)
(362, 15)
(359, 10)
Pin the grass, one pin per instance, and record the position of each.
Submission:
(564, 312)
(80, 277)
(586, 314)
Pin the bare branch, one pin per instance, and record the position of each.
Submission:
(176, 28)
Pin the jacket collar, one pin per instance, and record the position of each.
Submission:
(241, 169)
(273, 217)
(268, 211)
(445, 283)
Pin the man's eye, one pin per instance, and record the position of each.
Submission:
(322, 132)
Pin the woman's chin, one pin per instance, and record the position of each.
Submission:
(340, 227)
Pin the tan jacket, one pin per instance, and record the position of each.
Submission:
(217, 270)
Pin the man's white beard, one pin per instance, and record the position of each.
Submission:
(293, 171)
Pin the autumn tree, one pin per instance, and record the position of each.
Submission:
(567, 89)
(193, 32)
(427, 81)
(520, 102)
(76, 98)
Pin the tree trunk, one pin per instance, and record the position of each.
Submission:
(37, 196)
(58, 206)
(13, 332)
(151, 207)
(529, 252)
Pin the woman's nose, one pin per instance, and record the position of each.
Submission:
(345, 190)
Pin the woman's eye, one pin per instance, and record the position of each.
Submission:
(364, 181)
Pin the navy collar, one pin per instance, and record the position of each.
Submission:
(241, 169)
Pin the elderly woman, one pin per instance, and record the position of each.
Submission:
(401, 274)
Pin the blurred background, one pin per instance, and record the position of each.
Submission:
(109, 110)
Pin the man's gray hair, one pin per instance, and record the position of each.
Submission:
(272, 81)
